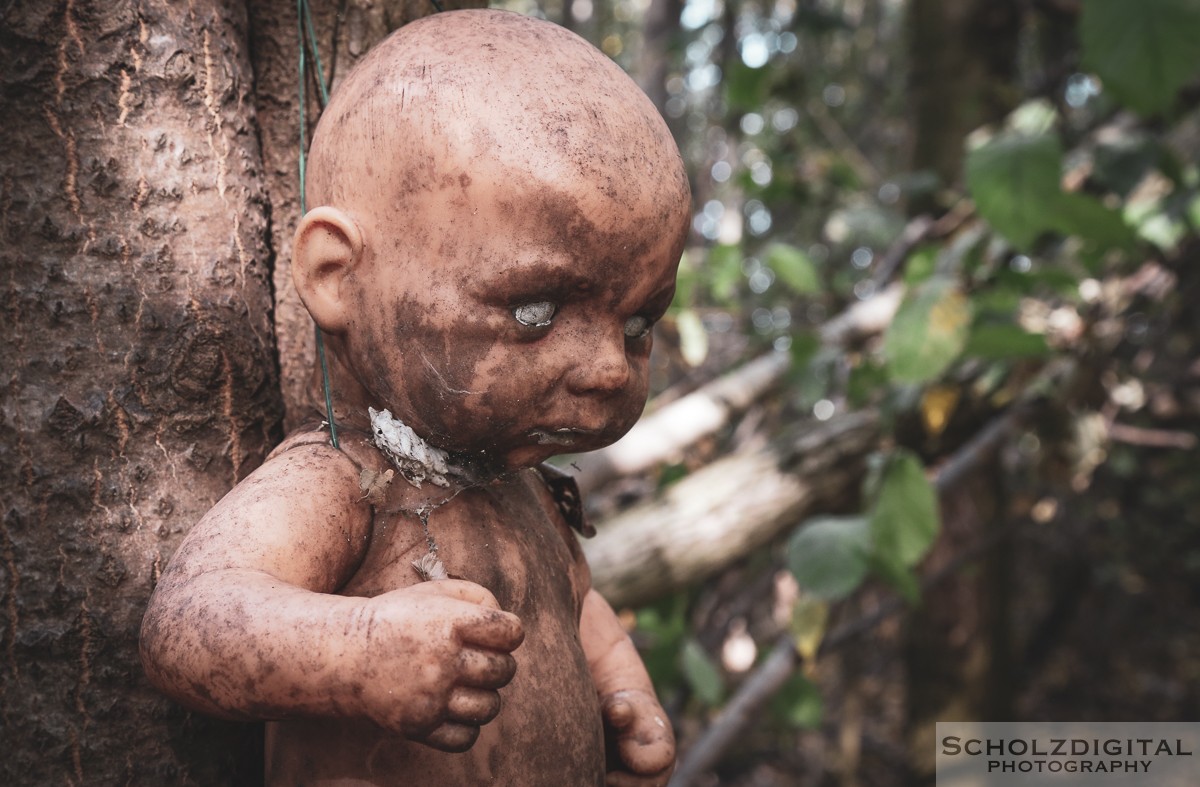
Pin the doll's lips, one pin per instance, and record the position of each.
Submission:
(566, 436)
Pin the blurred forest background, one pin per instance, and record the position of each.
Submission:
(923, 443)
(925, 447)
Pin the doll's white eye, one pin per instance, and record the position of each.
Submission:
(535, 315)
(637, 327)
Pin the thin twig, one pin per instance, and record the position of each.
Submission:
(914, 232)
(1152, 438)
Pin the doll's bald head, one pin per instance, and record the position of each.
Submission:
(464, 95)
(497, 217)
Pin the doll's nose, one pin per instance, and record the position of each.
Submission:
(600, 366)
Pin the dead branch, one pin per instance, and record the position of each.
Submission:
(728, 508)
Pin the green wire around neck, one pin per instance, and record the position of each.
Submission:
(304, 24)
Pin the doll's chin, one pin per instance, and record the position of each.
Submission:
(530, 456)
(533, 455)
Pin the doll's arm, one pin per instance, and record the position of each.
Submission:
(634, 721)
(244, 624)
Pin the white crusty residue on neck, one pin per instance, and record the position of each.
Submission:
(416, 459)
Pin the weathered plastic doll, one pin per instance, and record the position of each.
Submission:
(499, 215)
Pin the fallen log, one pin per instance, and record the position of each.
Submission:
(721, 512)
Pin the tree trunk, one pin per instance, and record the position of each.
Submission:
(142, 379)
(963, 56)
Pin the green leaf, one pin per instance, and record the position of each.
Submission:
(828, 555)
(898, 576)
(686, 281)
(1004, 296)
(921, 265)
(1004, 341)
(1121, 164)
(702, 674)
(867, 380)
(810, 383)
(1014, 181)
(1144, 51)
(794, 268)
(904, 521)
(798, 703)
(928, 332)
(672, 473)
(1098, 225)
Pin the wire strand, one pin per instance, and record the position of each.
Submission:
(303, 21)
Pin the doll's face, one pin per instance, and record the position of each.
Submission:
(526, 331)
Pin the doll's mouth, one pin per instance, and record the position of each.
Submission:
(565, 436)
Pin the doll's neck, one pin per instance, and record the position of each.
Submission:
(350, 399)
(352, 406)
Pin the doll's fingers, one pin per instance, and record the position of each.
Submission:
(619, 713)
(626, 779)
(460, 589)
(485, 669)
(647, 758)
(491, 629)
(452, 737)
(472, 706)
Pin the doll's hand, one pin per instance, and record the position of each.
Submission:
(440, 652)
(637, 731)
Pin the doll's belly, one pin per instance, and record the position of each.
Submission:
(548, 733)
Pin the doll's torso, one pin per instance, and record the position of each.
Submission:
(507, 537)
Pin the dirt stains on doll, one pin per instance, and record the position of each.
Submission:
(497, 218)
(474, 199)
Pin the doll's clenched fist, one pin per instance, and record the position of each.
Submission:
(439, 653)
(641, 739)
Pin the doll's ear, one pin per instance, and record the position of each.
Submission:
(327, 247)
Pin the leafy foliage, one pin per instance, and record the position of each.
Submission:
(1014, 180)
(829, 555)
(928, 332)
(702, 674)
(904, 521)
(1145, 51)
(794, 268)
(799, 703)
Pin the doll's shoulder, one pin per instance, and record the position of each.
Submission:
(352, 444)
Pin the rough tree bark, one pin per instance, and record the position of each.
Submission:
(138, 351)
